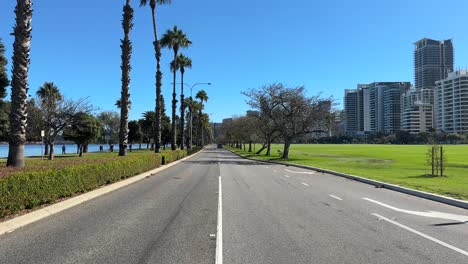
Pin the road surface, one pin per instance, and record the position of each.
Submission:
(270, 214)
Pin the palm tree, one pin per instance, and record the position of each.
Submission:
(174, 39)
(203, 97)
(126, 67)
(49, 96)
(19, 83)
(157, 49)
(183, 63)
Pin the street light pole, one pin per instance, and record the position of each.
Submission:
(191, 112)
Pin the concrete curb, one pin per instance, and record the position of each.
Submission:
(421, 194)
(20, 221)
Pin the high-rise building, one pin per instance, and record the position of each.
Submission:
(451, 103)
(417, 111)
(433, 60)
(374, 107)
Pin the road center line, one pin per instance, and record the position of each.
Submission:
(219, 229)
(305, 184)
(422, 235)
(336, 197)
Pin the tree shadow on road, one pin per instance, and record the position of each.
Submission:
(230, 162)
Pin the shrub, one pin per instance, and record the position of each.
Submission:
(29, 188)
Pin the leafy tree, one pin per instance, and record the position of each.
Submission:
(174, 39)
(4, 106)
(110, 122)
(83, 130)
(135, 134)
(183, 63)
(292, 113)
(268, 132)
(157, 49)
(57, 112)
(126, 46)
(4, 82)
(35, 122)
(19, 83)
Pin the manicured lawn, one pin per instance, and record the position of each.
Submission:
(404, 165)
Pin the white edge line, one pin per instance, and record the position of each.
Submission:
(219, 229)
(423, 235)
(305, 184)
(336, 197)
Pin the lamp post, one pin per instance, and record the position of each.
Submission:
(191, 113)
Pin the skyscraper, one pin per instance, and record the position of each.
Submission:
(433, 60)
(451, 103)
(374, 107)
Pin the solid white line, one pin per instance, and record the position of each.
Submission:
(219, 229)
(286, 176)
(305, 184)
(423, 235)
(336, 197)
(433, 214)
(300, 172)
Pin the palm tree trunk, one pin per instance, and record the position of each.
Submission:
(19, 83)
(174, 109)
(126, 67)
(157, 49)
(182, 116)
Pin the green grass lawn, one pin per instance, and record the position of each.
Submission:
(404, 165)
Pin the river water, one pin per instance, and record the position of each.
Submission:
(36, 149)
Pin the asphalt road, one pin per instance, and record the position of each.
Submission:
(270, 214)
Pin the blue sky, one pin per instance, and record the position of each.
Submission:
(326, 45)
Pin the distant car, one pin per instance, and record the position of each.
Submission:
(220, 145)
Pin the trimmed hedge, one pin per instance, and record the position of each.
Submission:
(28, 189)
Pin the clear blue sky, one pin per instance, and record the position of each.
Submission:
(326, 45)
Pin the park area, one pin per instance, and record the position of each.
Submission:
(404, 165)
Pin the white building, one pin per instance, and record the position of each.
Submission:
(417, 111)
(451, 103)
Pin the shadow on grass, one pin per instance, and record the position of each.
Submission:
(426, 176)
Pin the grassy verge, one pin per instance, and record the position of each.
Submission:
(404, 165)
(43, 182)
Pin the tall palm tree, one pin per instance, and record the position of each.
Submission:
(174, 39)
(183, 63)
(203, 97)
(157, 49)
(127, 25)
(19, 83)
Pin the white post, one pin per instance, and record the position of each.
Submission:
(42, 144)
